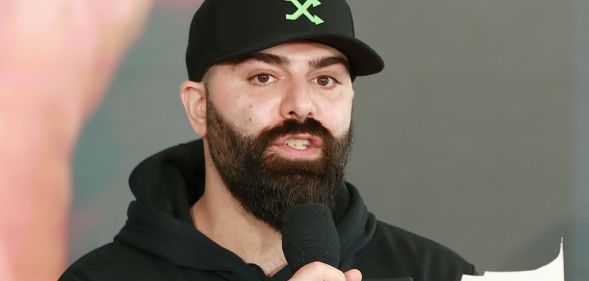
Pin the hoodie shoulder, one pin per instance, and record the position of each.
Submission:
(395, 252)
(116, 261)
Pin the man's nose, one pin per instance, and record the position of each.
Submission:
(297, 102)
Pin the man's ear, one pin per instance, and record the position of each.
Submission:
(194, 98)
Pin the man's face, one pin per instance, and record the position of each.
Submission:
(278, 127)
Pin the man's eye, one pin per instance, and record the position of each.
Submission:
(263, 78)
(326, 81)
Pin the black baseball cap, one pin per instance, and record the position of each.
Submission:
(224, 30)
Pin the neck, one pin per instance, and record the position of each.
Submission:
(219, 216)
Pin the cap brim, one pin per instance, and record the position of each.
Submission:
(363, 59)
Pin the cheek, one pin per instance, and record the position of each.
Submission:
(337, 117)
(261, 111)
(251, 119)
(241, 111)
(343, 124)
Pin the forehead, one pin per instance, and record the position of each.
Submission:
(303, 50)
(292, 52)
(297, 51)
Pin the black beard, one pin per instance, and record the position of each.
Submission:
(266, 184)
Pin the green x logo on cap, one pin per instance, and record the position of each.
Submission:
(303, 9)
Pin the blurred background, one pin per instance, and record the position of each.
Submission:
(476, 135)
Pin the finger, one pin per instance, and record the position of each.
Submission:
(317, 271)
(353, 275)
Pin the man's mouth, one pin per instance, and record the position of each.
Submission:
(300, 144)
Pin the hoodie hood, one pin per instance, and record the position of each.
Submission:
(166, 184)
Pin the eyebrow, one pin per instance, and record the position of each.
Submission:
(325, 62)
(280, 60)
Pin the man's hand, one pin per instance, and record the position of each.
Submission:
(317, 271)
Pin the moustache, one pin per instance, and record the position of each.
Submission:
(291, 127)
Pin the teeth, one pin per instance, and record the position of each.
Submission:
(298, 144)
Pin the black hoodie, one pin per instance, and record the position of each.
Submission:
(159, 241)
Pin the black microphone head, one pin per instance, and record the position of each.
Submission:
(308, 235)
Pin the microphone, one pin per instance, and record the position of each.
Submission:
(308, 235)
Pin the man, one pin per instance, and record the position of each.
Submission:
(270, 93)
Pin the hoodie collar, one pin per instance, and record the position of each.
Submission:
(166, 184)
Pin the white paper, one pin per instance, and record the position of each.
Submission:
(554, 271)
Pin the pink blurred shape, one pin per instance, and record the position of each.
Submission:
(180, 4)
(56, 59)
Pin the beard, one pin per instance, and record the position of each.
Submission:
(266, 184)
